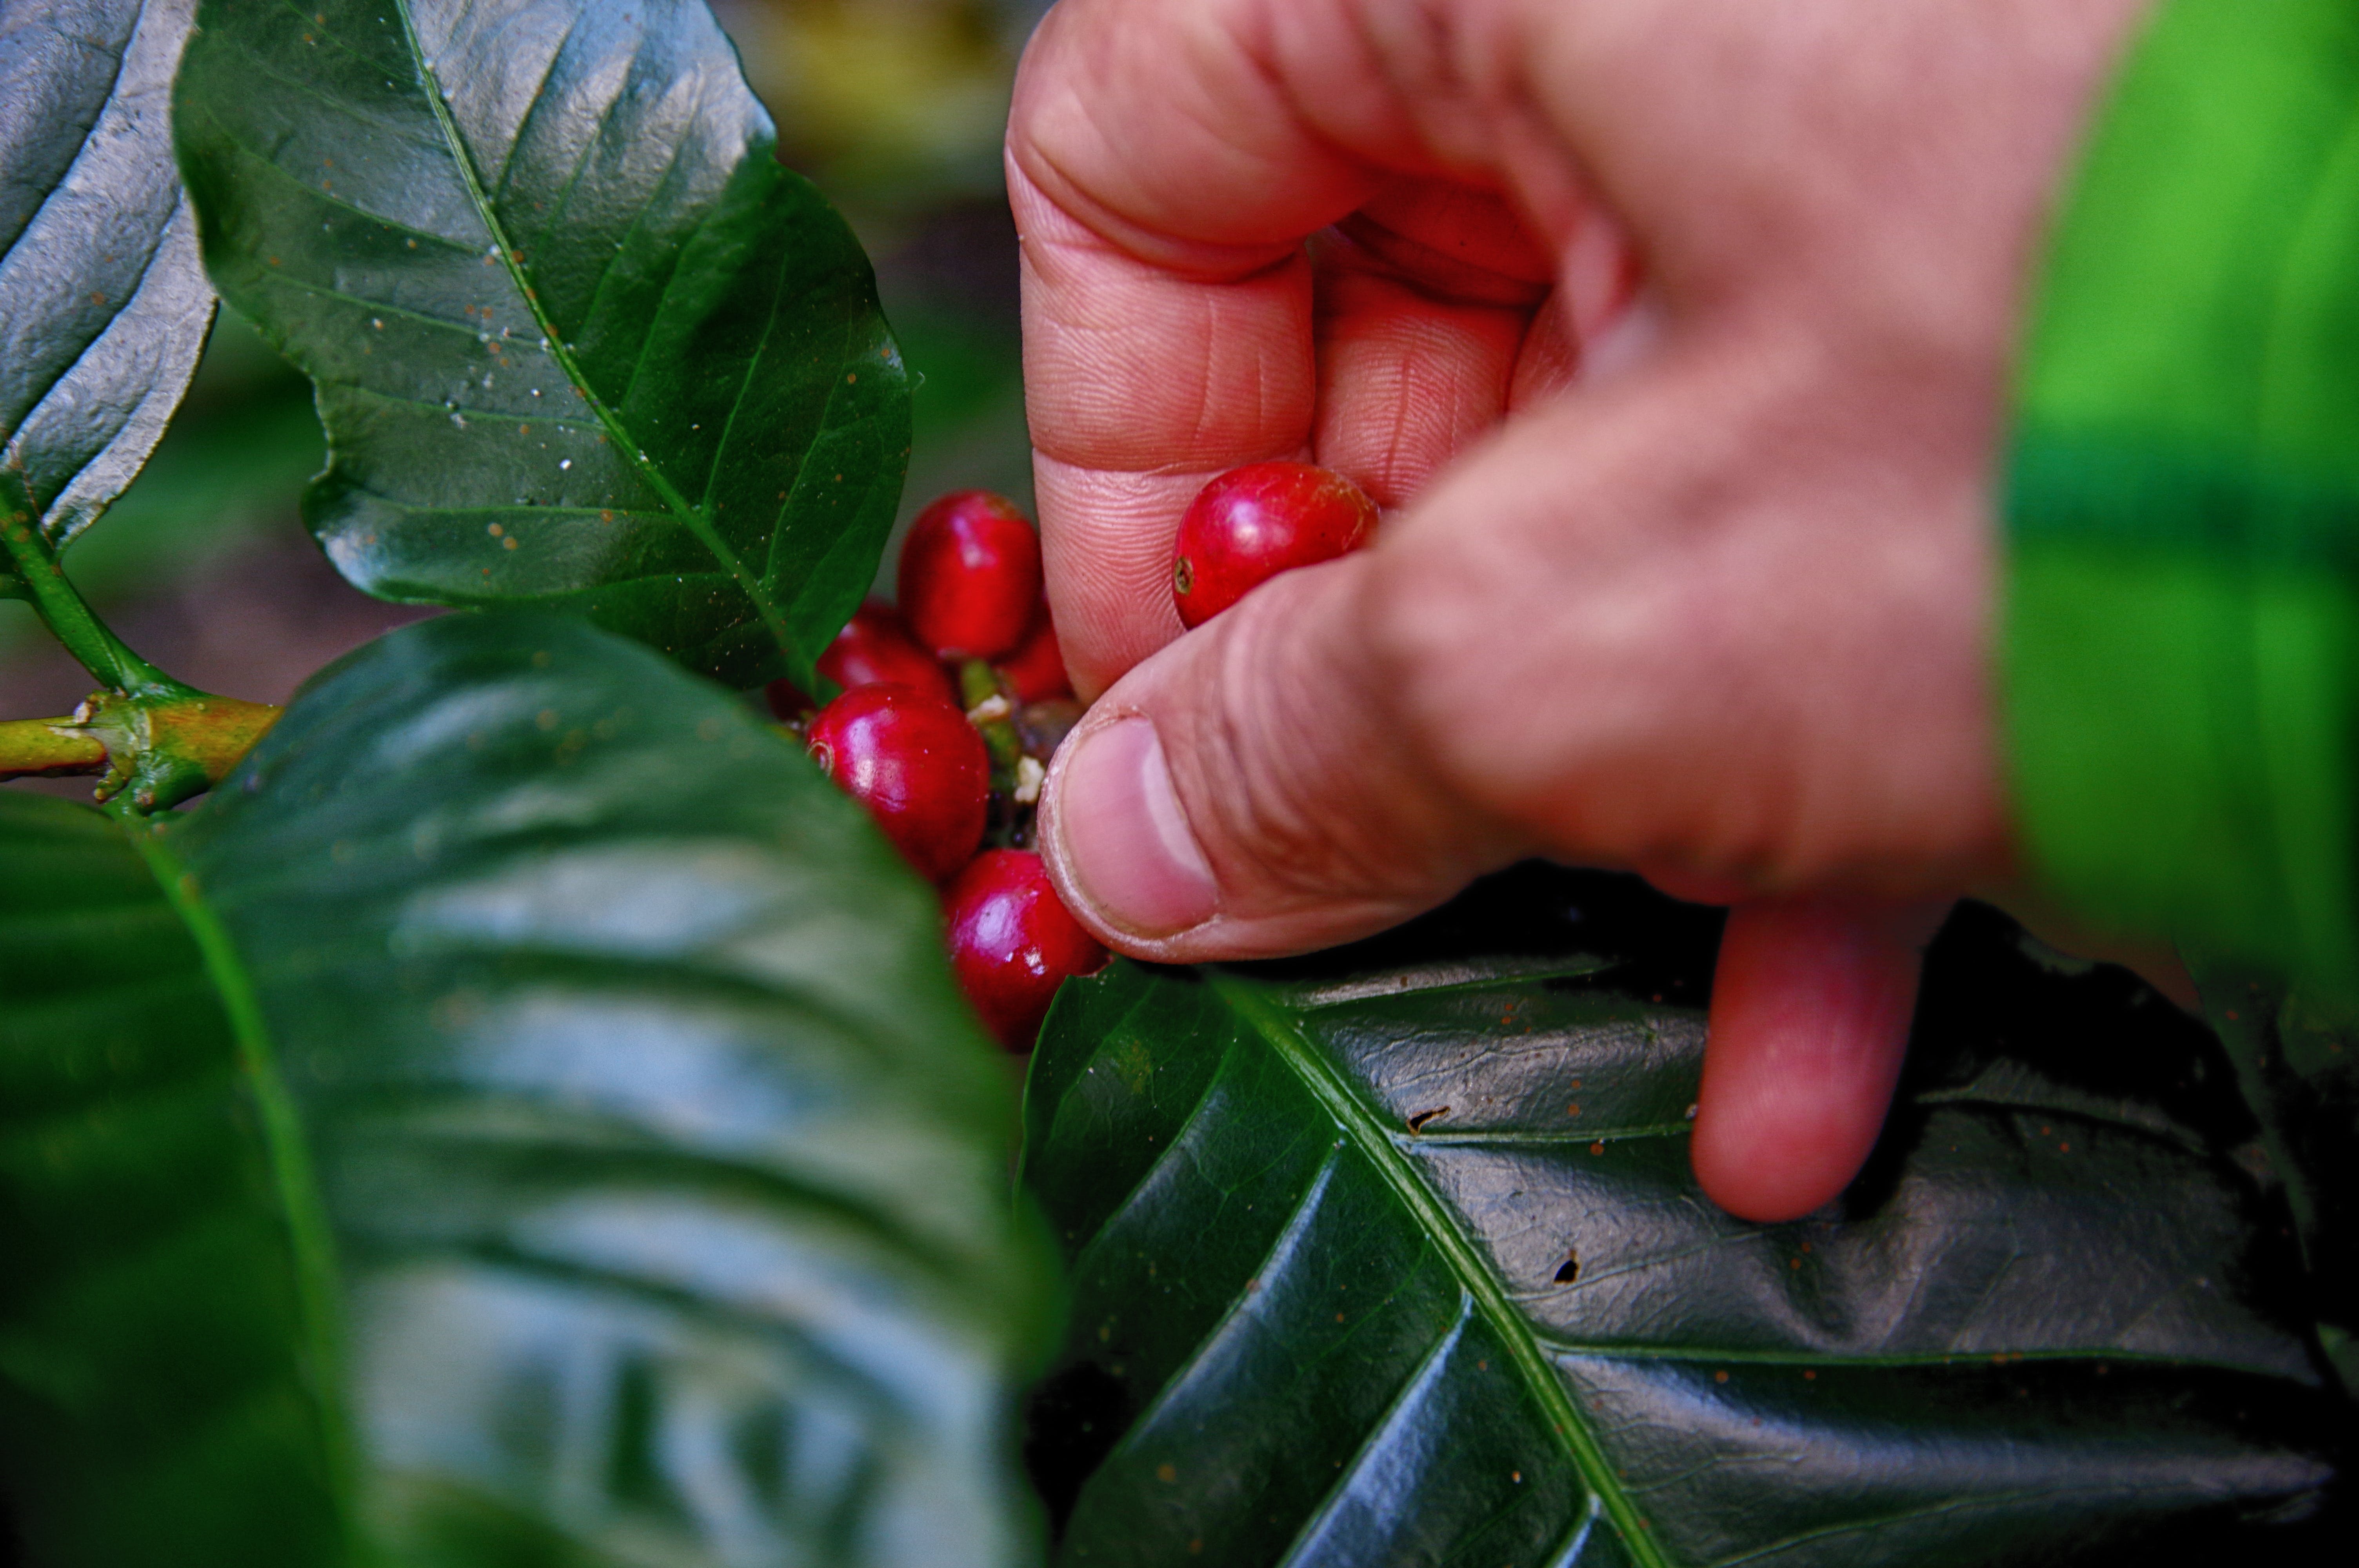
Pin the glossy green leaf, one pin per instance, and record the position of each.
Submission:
(1394, 1257)
(579, 340)
(522, 1118)
(102, 304)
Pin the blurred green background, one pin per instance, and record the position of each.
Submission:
(895, 107)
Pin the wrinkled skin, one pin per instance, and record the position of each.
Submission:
(1697, 583)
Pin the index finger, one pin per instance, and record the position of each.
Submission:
(1168, 158)
(1163, 184)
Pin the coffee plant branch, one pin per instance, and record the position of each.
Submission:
(151, 741)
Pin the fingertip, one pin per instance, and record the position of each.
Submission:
(1811, 1010)
(1106, 544)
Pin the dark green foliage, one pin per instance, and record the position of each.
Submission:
(539, 1128)
(152, 1376)
(1392, 1257)
(2297, 1055)
(102, 305)
(579, 340)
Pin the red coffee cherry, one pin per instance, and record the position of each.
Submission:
(916, 763)
(1013, 942)
(871, 647)
(1253, 522)
(1036, 668)
(970, 576)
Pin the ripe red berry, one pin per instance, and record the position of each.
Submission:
(1013, 942)
(871, 647)
(970, 576)
(916, 763)
(1036, 668)
(1253, 522)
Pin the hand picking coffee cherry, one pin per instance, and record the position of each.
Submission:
(1253, 522)
(916, 763)
(970, 576)
(1013, 943)
(1036, 668)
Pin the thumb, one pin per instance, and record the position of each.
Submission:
(1250, 791)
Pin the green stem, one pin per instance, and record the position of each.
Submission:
(990, 706)
(71, 619)
(48, 748)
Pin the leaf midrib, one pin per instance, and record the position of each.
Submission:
(1374, 1140)
(293, 1178)
(561, 352)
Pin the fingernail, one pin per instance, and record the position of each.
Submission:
(1125, 838)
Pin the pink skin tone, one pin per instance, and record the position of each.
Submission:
(1012, 943)
(1699, 586)
(970, 576)
(1806, 1003)
(916, 763)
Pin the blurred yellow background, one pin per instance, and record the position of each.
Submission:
(890, 99)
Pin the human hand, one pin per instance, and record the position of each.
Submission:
(1700, 588)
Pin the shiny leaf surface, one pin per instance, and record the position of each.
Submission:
(102, 304)
(1394, 1257)
(522, 1118)
(579, 340)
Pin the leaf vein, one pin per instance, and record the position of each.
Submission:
(697, 523)
(1514, 1331)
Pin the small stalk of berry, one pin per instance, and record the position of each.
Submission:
(1013, 943)
(1255, 521)
(990, 709)
(916, 763)
(1015, 775)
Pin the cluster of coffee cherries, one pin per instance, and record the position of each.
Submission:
(955, 696)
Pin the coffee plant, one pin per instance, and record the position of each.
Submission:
(510, 1107)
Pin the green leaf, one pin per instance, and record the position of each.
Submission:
(579, 340)
(523, 1117)
(1394, 1257)
(102, 305)
(2296, 1056)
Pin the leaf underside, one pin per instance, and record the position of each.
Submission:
(579, 340)
(103, 306)
(659, 1176)
(1394, 1257)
